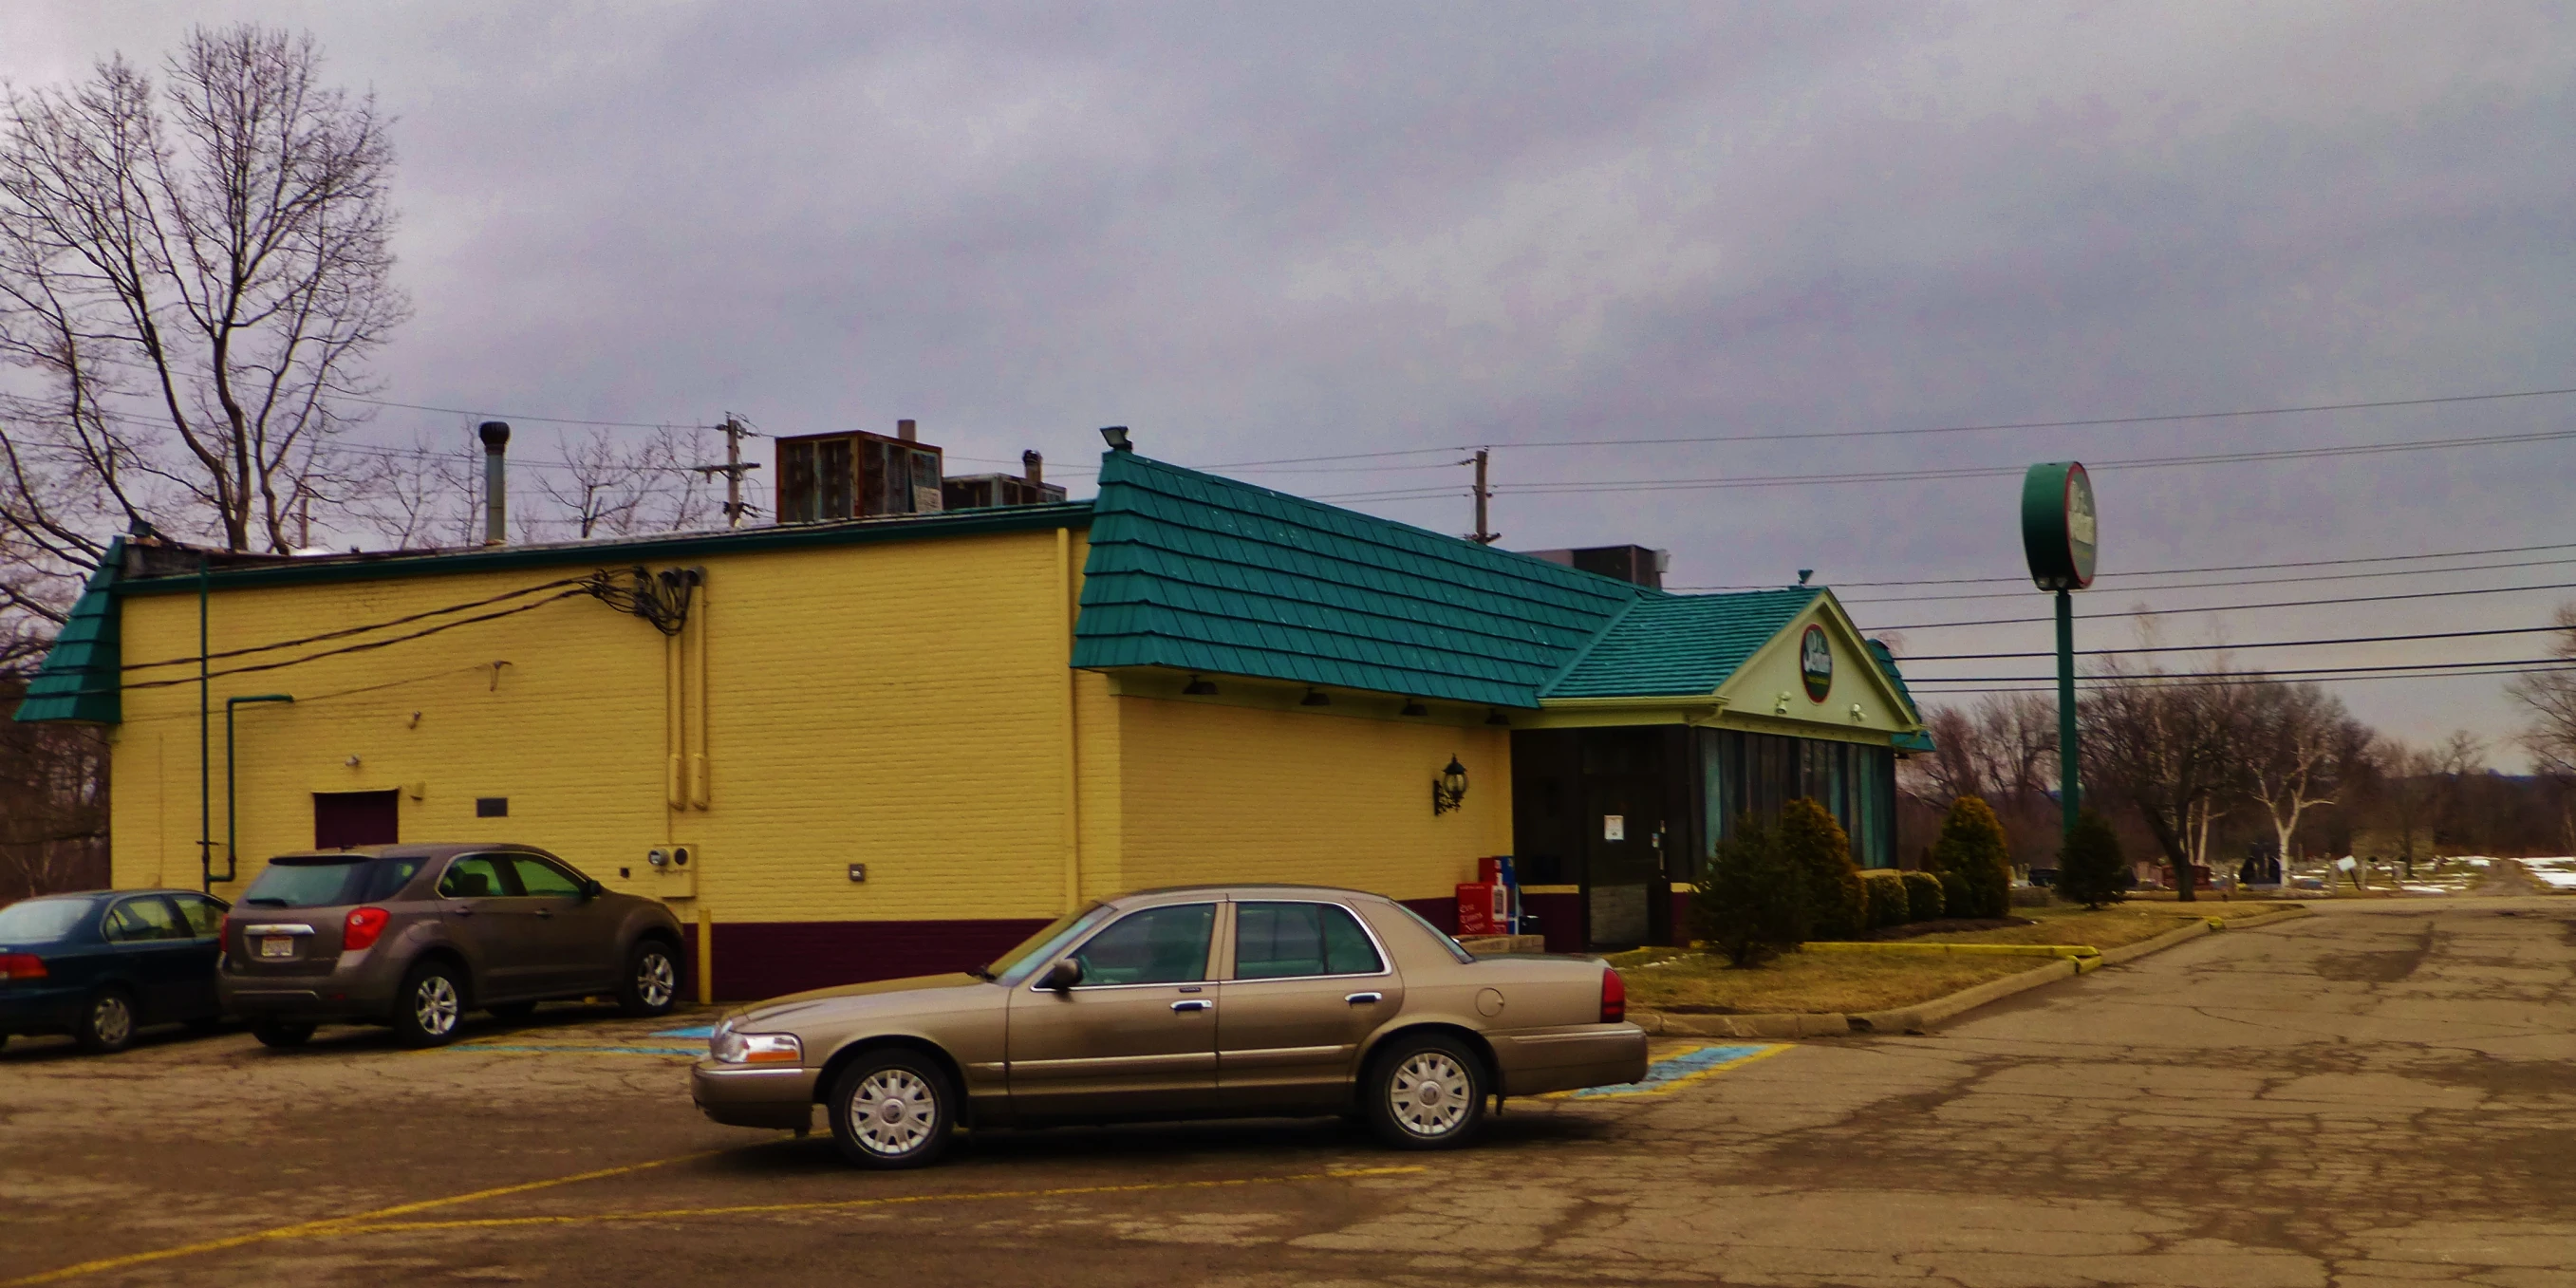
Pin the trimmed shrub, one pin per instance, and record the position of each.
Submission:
(1887, 900)
(1923, 901)
(1752, 906)
(1814, 844)
(1974, 865)
(2092, 870)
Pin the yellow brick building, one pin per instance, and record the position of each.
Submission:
(892, 745)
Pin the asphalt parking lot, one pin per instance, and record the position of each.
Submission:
(2376, 1095)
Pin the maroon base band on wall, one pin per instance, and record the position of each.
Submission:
(1439, 912)
(757, 959)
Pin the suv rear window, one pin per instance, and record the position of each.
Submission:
(326, 881)
(41, 921)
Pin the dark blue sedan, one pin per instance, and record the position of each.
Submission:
(103, 964)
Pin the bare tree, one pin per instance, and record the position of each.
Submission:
(2550, 693)
(2165, 746)
(189, 274)
(2298, 748)
(605, 486)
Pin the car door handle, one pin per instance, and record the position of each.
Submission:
(547, 913)
(1365, 999)
(465, 910)
(1193, 1004)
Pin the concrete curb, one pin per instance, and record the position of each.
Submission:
(1923, 1015)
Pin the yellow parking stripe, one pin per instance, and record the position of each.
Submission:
(842, 1205)
(327, 1225)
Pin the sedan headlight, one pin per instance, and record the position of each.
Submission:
(729, 1047)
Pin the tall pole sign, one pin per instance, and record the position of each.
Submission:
(2057, 537)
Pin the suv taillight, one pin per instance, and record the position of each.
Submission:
(1614, 997)
(362, 927)
(21, 966)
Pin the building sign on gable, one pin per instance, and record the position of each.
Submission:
(1816, 663)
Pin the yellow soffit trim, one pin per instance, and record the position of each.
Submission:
(1568, 713)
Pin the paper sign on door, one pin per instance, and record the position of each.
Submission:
(1614, 827)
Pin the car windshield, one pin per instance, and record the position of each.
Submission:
(324, 881)
(1012, 966)
(41, 921)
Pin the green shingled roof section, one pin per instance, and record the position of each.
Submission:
(1679, 645)
(1887, 663)
(83, 674)
(1200, 573)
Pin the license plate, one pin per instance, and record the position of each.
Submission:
(277, 946)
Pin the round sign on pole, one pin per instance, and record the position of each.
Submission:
(2057, 525)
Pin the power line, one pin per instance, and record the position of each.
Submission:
(2230, 608)
(2222, 585)
(2221, 648)
(510, 415)
(2283, 673)
(192, 659)
(2015, 470)
(2252, 678)
(2176, 572)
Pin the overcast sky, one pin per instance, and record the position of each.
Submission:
(1256, 232)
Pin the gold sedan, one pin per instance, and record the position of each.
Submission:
(1204, 1002)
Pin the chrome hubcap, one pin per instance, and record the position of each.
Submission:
(893, 1112)
(434, 1004)
(655, 979)
(1429, 1093)
(112, 1019)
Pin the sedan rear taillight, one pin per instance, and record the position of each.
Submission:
(21, 966)
(362, 927)
(1614, 997)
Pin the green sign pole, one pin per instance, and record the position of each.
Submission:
(2057, 536)
(2069, 795)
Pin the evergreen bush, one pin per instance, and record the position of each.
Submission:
(1887, 899)
(2092, 871)
(1923, 901)
(1814, 844)
(1971, 858)
(1752, 906)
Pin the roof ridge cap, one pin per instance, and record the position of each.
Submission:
(1543, 687)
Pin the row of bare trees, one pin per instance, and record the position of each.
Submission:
(2191, 763)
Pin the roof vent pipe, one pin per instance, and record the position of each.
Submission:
(1033, 467)
(906, 431)
(496, 492)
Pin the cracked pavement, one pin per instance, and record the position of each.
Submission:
(2378, 1095)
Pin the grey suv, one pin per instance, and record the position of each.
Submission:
(415, 935)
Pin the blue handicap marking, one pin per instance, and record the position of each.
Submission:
(1689, 1066)
(701, 1031)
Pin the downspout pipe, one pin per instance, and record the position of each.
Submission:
(232, 799)
(205, 744)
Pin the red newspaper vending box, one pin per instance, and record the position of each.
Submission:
(1484, 908)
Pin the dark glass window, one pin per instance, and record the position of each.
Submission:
(476, 876)
(144, 919)
(1279, 940)
(41, 921)
(300, 882)
(538, 877)
(1155, 946)
(205, 917)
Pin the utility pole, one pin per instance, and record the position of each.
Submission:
(733, 469)
(1484, 495)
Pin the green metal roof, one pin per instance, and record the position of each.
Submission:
(1200, 573)
(82, 673)
(1679, 645)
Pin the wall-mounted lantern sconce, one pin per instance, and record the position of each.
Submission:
(1198, 687)
(1449, 788)
(1314, 698)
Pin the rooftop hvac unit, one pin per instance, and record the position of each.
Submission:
(856, 475)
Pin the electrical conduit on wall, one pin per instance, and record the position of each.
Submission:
(1072, 764)
(701, 788)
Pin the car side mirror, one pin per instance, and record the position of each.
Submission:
(591, 888)
(1063, 975)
